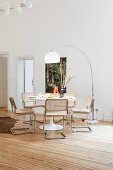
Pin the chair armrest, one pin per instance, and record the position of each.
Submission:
(35, 106)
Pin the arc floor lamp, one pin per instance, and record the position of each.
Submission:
(54, 57)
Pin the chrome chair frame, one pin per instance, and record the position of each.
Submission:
(27, 100)
(70, 107)
(52, 115)
(89, 104)
(21, 112)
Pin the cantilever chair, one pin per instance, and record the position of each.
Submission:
(55, 108)
(86, 111)
(71, 104)
(20, 112)
(27, 100)
(31, 104)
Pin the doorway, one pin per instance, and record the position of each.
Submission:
(3, 81)
(24, 78)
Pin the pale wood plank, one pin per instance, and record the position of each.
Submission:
(78, 151)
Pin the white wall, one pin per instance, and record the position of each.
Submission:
(87, 23)
(3, 80)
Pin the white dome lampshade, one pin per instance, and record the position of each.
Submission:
(52, 57)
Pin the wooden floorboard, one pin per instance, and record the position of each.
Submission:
(79, 151)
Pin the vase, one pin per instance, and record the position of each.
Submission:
(62, 91)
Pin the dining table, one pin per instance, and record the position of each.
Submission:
(42, 98)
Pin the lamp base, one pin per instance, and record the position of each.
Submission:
(92, 121)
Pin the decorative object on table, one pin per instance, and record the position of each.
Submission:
(56, 90)
(65, 80)
(15, 6)
(93, 121)
(62, 91)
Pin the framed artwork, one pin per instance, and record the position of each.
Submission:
(55, 75)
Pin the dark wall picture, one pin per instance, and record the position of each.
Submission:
(55, 75)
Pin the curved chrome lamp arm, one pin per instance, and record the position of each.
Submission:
(82, 52)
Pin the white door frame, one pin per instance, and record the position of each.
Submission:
(31, 57)
(6, 54)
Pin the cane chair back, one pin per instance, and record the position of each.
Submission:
(56, 105)
(13, 104)
(89, 102)
(26, 97)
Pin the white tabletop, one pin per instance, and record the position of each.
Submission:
(43, 98)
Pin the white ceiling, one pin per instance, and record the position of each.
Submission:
(39, 3)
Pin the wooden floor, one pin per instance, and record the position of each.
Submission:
(87, 151)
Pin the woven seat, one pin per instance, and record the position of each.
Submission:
(82, 111)
(33, 106)
(24, 111)
(62, 113)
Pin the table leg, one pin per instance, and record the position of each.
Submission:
(51, 126)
